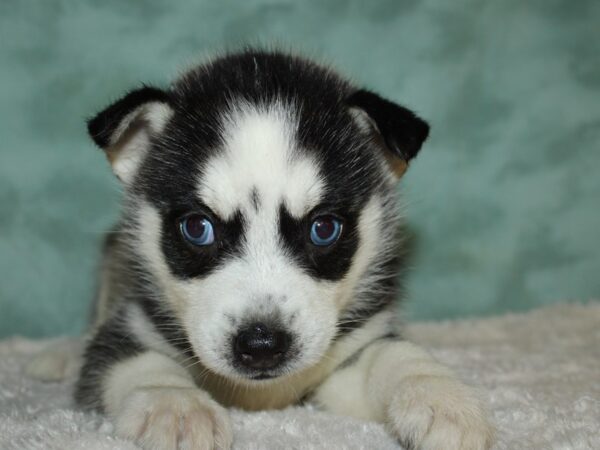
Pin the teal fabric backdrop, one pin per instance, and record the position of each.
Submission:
(503, 203)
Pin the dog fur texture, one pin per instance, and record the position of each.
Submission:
(261, 146)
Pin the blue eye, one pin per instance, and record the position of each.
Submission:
(325, 230)
(197, 230)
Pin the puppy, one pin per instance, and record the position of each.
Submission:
(256, 261)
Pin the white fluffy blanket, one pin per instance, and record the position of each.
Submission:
(540, 372)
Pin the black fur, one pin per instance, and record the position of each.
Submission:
(330, 262)
(255, 199)
(190, 261)
(111, 343)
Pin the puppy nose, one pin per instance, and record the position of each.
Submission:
(259, 347)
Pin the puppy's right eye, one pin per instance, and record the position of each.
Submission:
(325, 230)
(197, 230)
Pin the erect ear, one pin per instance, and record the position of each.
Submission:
(399, 130)
(123, 130)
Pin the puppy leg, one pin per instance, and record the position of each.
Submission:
(418, 399)
(155, 402)
(150, 397)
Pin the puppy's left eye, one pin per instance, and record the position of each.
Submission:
(325, 230)
(197, 230)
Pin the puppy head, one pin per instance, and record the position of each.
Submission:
(258, 189)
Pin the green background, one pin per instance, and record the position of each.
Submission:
(503, 203)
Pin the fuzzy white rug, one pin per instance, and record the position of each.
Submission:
(540, 372)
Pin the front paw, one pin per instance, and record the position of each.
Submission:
(438, 412)
(174, 419)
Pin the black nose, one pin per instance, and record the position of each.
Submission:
(259, 347)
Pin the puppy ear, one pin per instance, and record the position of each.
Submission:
(400, 131)
(123, 130)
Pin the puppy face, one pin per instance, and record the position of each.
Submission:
(258, 192)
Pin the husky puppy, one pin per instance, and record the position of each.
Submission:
(256, 261)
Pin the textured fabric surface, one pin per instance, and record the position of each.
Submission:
(503, 201)
(538, 371)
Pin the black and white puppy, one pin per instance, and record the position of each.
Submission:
(256, 261)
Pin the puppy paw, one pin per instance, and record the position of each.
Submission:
(174, 419)
(438, 412)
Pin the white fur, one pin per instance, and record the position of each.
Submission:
(260, 153)
(147, 241)
(371, 247)
(146, 334)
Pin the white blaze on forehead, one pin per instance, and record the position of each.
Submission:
(260, 155)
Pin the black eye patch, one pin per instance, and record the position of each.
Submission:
(186, 260)
(326, 262)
